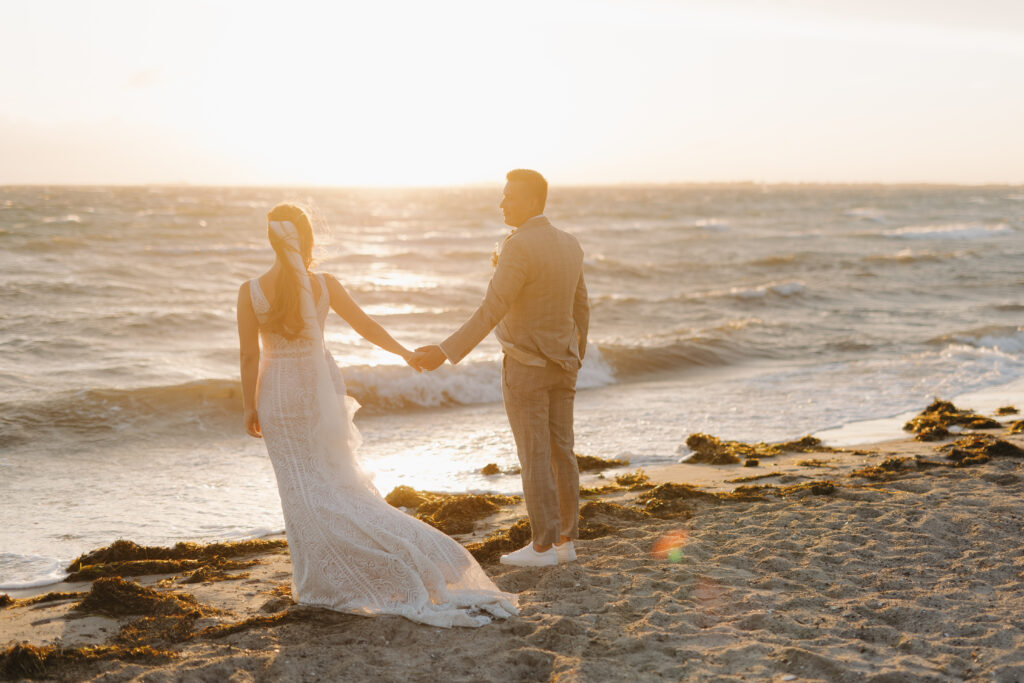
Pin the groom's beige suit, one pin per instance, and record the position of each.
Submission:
(538, 300)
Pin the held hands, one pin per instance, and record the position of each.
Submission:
(427, 358)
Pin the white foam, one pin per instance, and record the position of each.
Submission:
(595, 371)
(1011, 343)
(712, 224)
(952, 231)
(867, 213)
(469, 382)
(69, 218)
(29, 571)
(780, 288)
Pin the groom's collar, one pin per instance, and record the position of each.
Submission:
(539, 219)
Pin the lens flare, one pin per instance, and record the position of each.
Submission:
(670, 546)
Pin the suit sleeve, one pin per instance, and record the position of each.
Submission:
(503, 289)
(581, 315)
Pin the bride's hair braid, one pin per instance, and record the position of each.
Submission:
(285, 317)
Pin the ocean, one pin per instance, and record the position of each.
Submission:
(747, 311)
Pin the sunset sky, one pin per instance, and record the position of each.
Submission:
(427, 93)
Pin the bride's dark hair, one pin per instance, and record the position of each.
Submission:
(284, 316)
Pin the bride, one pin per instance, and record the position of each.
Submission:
(351, 551)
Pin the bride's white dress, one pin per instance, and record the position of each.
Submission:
(351, 551)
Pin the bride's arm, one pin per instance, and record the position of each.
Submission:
(248, 358)
(367, 328)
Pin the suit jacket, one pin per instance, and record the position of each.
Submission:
(537, 299)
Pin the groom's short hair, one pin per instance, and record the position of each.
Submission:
(533, 181)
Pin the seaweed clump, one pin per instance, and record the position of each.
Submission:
(5, 601)
(980, 448)
(452, 513)
(1017, 427)
(502, 541)
(115, 597)
(167, 617)
(592, 463)
(125, 558)
(710, 450)
(1007, 410)
(933, 423)
(216, 572)
(31, 661)
(490, 469)
(671, 500)
(634, 481)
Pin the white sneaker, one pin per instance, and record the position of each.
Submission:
(566, 552)
(528, 557)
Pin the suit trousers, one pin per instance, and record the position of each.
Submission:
(539, 405)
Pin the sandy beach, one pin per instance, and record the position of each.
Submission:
(892, 562)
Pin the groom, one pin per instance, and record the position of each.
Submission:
(538, 301)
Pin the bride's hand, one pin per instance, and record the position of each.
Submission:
(410, 359)
(252, 424)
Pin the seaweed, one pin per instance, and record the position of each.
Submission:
(490, 469)
(976, 449)
(1017, 427)
(31, 661)
(634, 481)
(883, 470)
(459, 515)
(932, 431)
(752, 477)
(406, 497)
(751, 462)
(502, 541)
(817, 488)
(209, 573)
(124, 551)
(281, 590)
(125, 558)
(1007, 410)
(592, 463)
(163, 628)
(452, 513)
(115, 597)
(50, 597)
(670, 500)
(813, 463)
(590, 492)
(933, 422)
(146, 567)
(710, 450)
(5, 601)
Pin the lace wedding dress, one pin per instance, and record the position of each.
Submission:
(351, 551)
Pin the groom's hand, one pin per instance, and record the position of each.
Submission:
(429, 357)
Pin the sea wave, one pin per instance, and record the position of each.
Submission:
(97, 414)
(67, 218)
(911, 256)
(1004, 338)
(783, 289)
(952, 231)
(867, 213)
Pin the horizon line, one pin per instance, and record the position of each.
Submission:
(481, 184)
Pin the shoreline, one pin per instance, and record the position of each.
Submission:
(902, 571)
